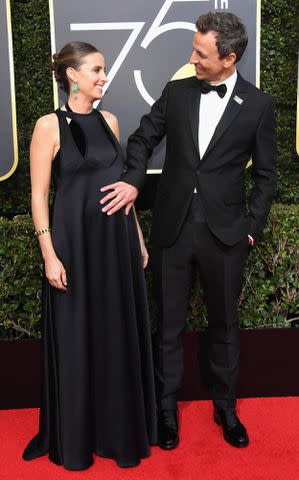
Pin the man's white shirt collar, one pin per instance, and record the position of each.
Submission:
(229, 82)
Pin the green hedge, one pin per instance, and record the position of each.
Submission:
(31, 38)
(279, 57)
(269, 297)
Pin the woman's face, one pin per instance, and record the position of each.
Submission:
(91, 76)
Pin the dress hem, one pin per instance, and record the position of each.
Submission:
(118, 460)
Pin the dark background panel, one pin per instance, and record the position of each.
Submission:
(6, 129)
(159, 61)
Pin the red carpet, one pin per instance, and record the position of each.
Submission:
(273, 453)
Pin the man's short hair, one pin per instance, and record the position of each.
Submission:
(231, 34)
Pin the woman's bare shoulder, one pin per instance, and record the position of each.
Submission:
(112, 122)
(108, 116)
(47, 122)
(47, 129)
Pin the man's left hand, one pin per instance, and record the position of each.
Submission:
(123, 194)
(250, 240)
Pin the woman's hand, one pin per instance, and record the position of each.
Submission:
(144, 253)
(56, 273)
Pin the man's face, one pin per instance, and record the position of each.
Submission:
(205, 58)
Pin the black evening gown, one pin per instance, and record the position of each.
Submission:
(98, 384)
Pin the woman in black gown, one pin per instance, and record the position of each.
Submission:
(98, 387)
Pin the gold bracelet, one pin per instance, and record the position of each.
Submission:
(37, 233)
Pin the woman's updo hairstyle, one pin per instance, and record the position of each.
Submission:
(71, 55)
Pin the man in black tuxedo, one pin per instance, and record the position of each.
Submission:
(214, 123)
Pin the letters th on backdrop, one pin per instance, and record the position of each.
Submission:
(145, 44)
(8, 131)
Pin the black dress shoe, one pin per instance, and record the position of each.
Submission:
(234, 431)
(168, 429)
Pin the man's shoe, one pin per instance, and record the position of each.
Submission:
(234, 431)
(168, 438)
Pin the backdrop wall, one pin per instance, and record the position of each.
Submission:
(34, 92)
(269, 297)
(145, 45)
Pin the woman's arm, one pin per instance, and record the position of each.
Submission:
(44, 146)
(144, 252)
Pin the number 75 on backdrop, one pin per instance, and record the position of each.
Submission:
(145, 45)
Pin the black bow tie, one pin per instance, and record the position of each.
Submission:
(206, 87)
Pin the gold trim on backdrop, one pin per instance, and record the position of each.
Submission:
(53, 50)
(297, 122)
(258, 42)
(12, 93)
(258, 51)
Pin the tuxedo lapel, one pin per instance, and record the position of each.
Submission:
(234, 106)
(194, 102)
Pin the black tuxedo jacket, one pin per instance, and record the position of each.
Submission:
(246, 129)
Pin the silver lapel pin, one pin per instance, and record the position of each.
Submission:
(238, 99)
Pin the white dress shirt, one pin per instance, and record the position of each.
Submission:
(211, 110)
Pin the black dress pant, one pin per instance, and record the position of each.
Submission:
(221, 271)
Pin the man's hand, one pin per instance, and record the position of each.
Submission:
(250, 240)
(123, 194)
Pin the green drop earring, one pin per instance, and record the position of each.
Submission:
(75, 89)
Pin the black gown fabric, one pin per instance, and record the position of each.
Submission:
(98, 384)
